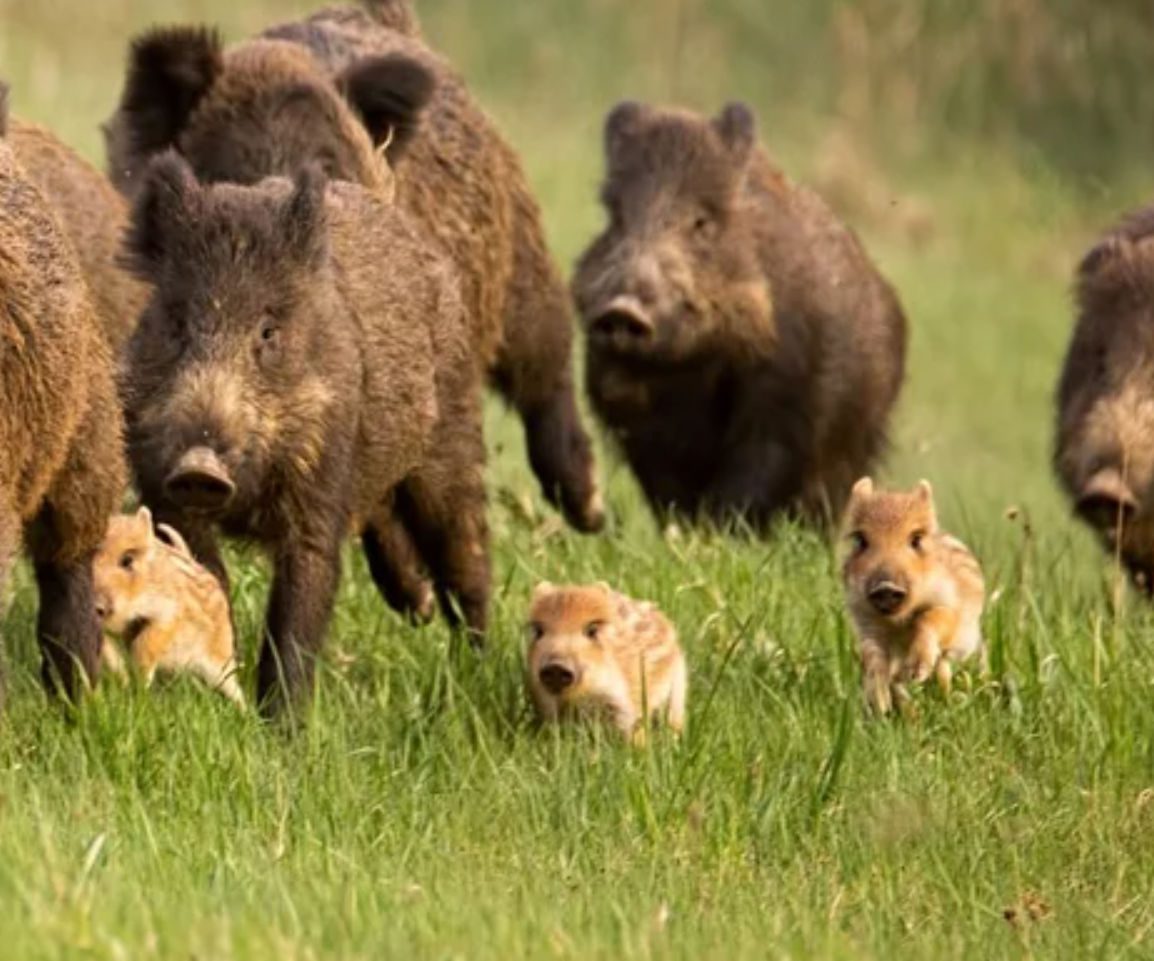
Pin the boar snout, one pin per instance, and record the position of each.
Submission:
(557, 676)
(623, 319)
(1106, 501)
(885, 593)
(200, 481)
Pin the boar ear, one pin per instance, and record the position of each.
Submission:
(3, 109)
(168, 194)
(862, 489)
(737, 129)
(170, 69)
(304, 220)
(621, 124)
(389, 93)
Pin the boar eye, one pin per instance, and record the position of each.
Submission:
(916, 539)
(127, 560)
(593, 629)
(859, 541)
(269, 331)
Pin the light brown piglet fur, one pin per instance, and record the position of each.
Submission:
(595, 651)
(914, 592)
(172, 612)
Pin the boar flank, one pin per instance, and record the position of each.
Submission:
(61, 455)
(1104, 446)
(742, 348)
(302, 371)
(354, 89)
(94, 217)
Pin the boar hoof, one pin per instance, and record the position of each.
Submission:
(200, 481)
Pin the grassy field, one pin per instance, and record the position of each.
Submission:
(420, 814)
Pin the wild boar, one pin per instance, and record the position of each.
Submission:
(301, 372)
(593, 650)
(742, 349)
(171, 613)
(353, 89)
(61, 435)
(915, 593)
(94, 217)
(1104, 447)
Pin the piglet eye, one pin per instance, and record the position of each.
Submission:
(535, 631)
(593, 629)
(127, 560)
(859, 542)
(916, 540)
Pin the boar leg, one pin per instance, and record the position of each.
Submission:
(9, 544)
(534, 372)
(444, 507)
(307, 573)
(63, 539)
(396, 565)
(756, 481)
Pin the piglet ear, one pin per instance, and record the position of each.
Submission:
(144, 516)
(621, 126)
(544, 589)
(925, 491)
(862, 489)
(169, 198)
(737, 128)
(305, 221)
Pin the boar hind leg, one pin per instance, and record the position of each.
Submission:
(396, 565)
(534, 371)
(304, 588)
(63, 539)
(445, 509)
(9, 545)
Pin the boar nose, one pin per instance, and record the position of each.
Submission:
(557, 676)
(623, 316)
(886, 596)
(1106, 500)
(200, 481)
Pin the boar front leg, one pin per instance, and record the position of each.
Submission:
(307, 573)
(755, 482)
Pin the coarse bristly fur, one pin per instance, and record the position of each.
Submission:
(94, 217)
(1104, 444)
(302, 371)
(61, 446)
(173, 613)
(742, 348)
(354, 89)
(914, 592)
(593, 651)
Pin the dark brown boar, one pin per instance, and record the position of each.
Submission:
(302, 371)
(61, 441)
(742, 348)
(94, 216)
(347, 88)
(1104, 450)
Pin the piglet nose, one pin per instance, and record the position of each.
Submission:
(557, 677)
(887, 596)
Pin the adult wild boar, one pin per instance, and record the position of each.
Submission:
(1104, 450)
(742, 348)
(343, 88)
(61, 440)
(302, 371)
(94, 217)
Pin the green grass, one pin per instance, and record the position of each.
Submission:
(419, 814)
